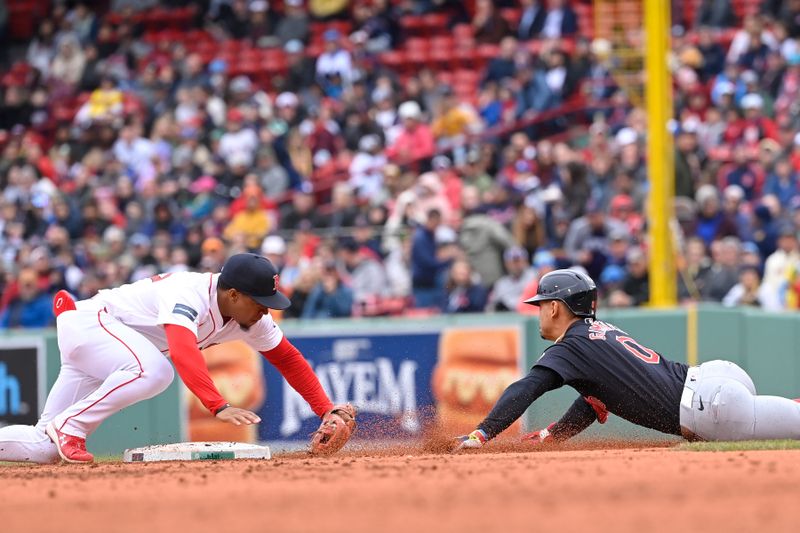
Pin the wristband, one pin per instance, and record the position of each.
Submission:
(218, 411)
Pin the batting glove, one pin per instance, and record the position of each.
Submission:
(473, 441)
(542, 436)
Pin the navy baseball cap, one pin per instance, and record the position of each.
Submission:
(255, 276)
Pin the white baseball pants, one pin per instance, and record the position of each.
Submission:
(105, 367)
(720, 403)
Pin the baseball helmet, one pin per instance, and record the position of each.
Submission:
(577, 290)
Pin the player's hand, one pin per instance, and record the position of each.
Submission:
(540, 437)
(473, 441)
(238, 417)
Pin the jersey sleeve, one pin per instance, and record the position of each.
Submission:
(578, 417)
(561, 359)
(264, 335)
(517, 398)
(182, 307)
(299, 374)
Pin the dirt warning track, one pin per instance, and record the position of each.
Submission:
(622, 490)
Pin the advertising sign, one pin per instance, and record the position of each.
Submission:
(386, 376)
(21, 381)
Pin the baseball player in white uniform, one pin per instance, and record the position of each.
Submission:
(115, 348)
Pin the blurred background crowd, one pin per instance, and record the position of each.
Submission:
(391, 157)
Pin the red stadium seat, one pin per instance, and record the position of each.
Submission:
(463, 32)
(21, 21)
(412, 25)
(435, 23)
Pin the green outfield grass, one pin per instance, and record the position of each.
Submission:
(739, 446)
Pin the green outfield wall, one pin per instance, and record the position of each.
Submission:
(767, 345)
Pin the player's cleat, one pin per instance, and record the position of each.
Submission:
(62, 302)
(71, 449)
(473, 441)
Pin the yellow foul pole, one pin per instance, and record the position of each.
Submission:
(660, 155)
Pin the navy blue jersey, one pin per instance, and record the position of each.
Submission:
(634, 382)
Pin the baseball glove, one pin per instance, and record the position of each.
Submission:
(337, 426)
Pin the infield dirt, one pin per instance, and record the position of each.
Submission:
(623, 489)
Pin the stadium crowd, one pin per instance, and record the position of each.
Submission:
(384, 186)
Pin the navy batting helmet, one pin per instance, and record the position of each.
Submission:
(575, 289)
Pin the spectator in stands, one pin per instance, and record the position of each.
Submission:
(302, 208)
(711, 222)
(712, 53)
(378, 22)
(689, 160)
(330, 298)
(414, 142)
(105, 103)
(692, 268)
(273, 247)
(507, 291)
(483, 239)
(170, 128)
(635, 289)
(791, 17)
(344, 210)
(528, 227)
(534, 94)
(427, 270)
(31, 307)
(715, 13)
(783, 182)
(575, 187)
(334, 61)
(543, 262)
(328, 9)
(531, 19)
(68, 63)
(294, 25)
(742, 172)
(724, 271)
(252, 223)
(503, 66)
(561, 20)
(42, 48)
(366, 168)
(779, 268)
(453, 122)
(488, 25)
(239, 143)
(301, 287)
(746, 291)
(301, 69)
(463, 294)
(750, 39)
(618, 244)
(364, 274)
(586, 243)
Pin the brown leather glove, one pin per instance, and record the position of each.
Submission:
(337, 426)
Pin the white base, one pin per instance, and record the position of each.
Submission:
(196, 451)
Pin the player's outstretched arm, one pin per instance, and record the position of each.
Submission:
(338, 421)
(511, 405)
(193, 370)
(299, 374)
(581, 414)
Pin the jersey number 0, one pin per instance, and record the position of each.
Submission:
(645, 354)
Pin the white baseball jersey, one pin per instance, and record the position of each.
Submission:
(185, 299)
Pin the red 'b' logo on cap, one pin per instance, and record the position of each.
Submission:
(276, 278)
